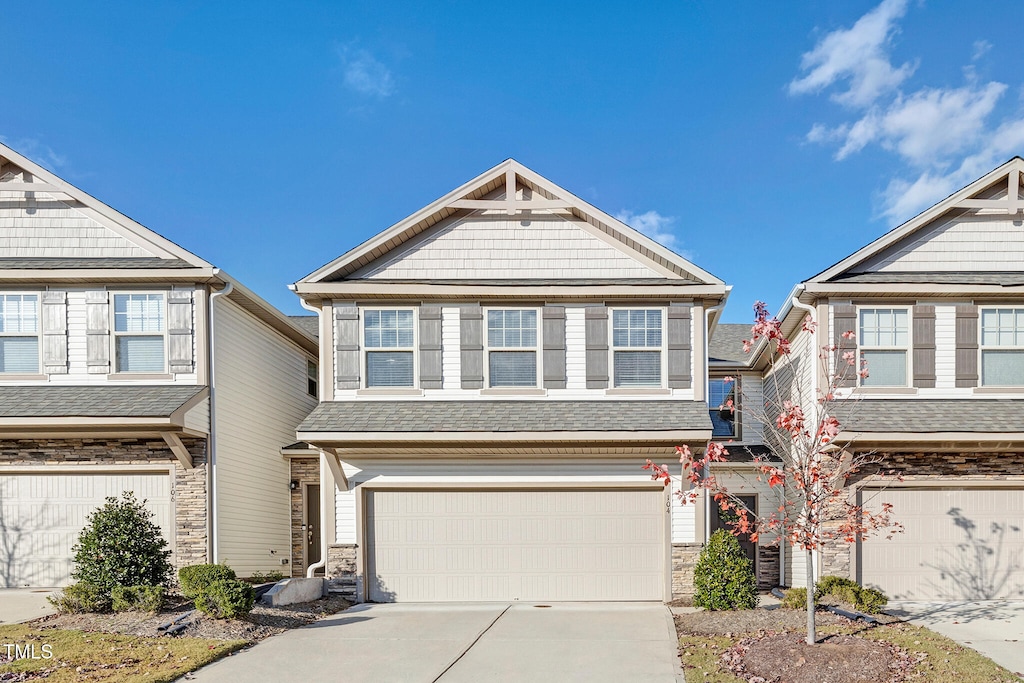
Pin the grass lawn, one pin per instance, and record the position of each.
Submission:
(91, 656)
(942, 660)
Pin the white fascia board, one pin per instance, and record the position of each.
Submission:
(674, 436)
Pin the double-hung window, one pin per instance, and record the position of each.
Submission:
(884, 341)
(723, 418)
(512, 347)
(19, 333)
(388, 340)
(637, 347)
(139, 339)
(1002, 347)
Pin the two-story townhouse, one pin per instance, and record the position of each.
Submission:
(129, 364)
(937, 311)
(495, 369)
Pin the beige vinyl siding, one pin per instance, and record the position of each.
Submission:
(198, 418)
(752, 399)
(945, 348)
(451, 357)
(260, 399)
(44, 227)
(495, 247)
(684, 516)
(960, 244)
(575, 348)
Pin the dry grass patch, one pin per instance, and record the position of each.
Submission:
(764, 646)
(109, 657)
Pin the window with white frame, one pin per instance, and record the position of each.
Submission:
(19, 333)
(884, 342)
(139, 339)
(637, 347)
(388, 341)
(312, 379)
(723, 415)
(1002, 347)
(512, 347)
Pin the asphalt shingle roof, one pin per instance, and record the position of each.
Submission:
(975, 278)
(85, 263)
(933, 415)
(726, 342)
(86, 401)
(506, 416)
(309, 323)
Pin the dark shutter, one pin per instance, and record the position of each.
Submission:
(597, 347)
(554, 347)
(346, 345)
(179, 330)
(844, 319)
(430, 346)
(54, 310)
(471, 342)
(679, 348)
(924, 346)
(966, 345)
(97, 331)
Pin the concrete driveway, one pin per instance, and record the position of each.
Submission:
(995, 628)
(460, 643)
(24, 604)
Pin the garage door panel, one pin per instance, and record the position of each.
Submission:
(43, 514)
(522, 544)
(957, 544)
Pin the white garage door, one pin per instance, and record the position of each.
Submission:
(531, 545)
(41, 516)
(959, 544)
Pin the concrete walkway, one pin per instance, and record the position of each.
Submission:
(995, 628)
(24, 604)
(593, 642)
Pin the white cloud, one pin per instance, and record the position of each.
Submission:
(364, 74)
(944, 137)
(856, 55)
(652, 224)
(37, 151)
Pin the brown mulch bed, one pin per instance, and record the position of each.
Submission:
(728, 623)
(262, 622)
(839, 658)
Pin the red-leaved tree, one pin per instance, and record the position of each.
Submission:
(803, 460)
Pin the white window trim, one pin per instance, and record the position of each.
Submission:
(982, 348)
(114, 334)
(364, 369)
(907, 350)
(537, 348)
(38, 335)
(663, 350)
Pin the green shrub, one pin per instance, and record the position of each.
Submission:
(226, 599)
(268, 577)
(121, 546)
(843, 589)
(724, 576)
(137, 598)
(871, 600)
(80, 597)
(795, 598)
(197, 578)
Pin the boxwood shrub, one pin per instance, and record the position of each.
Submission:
(226, 599)
(724, 576)
(195, 579)
(79, 598)
(137, 598)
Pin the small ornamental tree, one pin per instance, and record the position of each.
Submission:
(121, 546)
(804, 461)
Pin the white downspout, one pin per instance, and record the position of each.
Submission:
(324, 470)
(212, 485)
(707, 470)
(811, 312)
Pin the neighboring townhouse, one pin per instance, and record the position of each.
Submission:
(128, 363)
(494, 371)
(937, 308)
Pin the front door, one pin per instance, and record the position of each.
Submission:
(726, 520)
(312, 524)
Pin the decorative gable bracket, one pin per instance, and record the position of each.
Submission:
(510, 204)
(1012, 205)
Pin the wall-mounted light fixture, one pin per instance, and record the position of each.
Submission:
(294, 485)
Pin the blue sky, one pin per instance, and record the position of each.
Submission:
(765, 141)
